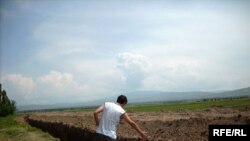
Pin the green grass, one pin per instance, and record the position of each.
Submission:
(198, 105)
(13, 130)
(171, 106)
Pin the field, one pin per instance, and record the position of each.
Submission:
(196, 105)
(13, 128)
(185, 121)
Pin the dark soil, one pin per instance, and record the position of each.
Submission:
(161, 126)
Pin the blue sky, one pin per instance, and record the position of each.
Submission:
(74, 51)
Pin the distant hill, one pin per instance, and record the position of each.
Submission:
(159, 96)
(148, 96)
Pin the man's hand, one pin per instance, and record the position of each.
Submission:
(142, 133)
(144, 136)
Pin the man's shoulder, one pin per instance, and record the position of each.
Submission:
(114, 105)
(109, 103)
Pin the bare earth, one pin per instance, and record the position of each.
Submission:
(161, 126)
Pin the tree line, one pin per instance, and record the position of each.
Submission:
(7, 106)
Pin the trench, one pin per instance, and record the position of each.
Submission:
(66, 132)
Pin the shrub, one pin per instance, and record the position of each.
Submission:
(7, 106)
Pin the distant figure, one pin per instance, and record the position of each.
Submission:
(112, 114)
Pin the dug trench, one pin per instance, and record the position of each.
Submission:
(67, 132)
(161, 126)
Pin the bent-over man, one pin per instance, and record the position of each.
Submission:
(112, 114)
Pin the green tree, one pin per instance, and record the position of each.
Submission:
(7, 106)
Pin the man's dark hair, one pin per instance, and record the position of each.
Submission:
(122, 99)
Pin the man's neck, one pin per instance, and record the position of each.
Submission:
(119, 104)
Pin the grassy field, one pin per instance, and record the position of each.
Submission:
(198, 105)
(165, 106)
(12, 128)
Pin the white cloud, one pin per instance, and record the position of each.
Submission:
(100, 48)
(60, 81)
(52, 87)
(19, 87)
(179, 73)
(24, 84)
(63, 48)
(131, 63)
(101, 74)
(134, 68)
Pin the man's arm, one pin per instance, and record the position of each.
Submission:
(97, 111)
(135, 126)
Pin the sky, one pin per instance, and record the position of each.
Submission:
(60, 51)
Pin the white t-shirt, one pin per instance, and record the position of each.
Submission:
(110, 119)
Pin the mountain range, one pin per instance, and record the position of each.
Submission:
(147, 97)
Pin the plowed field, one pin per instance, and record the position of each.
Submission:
(182, 125)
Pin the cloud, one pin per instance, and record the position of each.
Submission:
(60, 81)
(179, 73)
(53, 87)
(99, 73)
(24, 84)
(134, 68)
(99, 49)
(64, 48)
(131, 62)
(19, 87)
(63, 39)
(159, 72)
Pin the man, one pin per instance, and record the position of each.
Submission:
(112, 113)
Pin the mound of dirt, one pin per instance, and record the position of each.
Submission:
(161, 126)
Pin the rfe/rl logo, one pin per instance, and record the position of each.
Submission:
(228, 132)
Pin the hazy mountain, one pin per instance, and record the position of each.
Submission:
(148, 96)
(157, 96)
